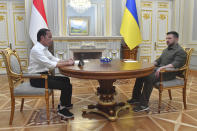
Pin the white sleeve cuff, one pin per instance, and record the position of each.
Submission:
(53, 64)
(55, 59)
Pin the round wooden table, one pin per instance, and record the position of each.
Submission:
(107, 74)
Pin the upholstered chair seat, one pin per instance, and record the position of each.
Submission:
(25, 89)
(170, 83)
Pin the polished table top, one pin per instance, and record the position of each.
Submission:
(117, 69)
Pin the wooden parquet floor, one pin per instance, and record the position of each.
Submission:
(172, 117)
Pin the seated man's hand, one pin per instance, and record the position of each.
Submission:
(69, 62)
(163, 67)
(155, 63)
(158, 71)
(62, 63)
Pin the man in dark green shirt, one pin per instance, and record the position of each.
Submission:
(172, 57)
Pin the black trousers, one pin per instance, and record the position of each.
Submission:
(143, 88)
(56, 82)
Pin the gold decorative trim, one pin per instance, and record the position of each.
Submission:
(1, 49)
(19, 18)
(22, 51)
(161, 41)
(5, 18)
(158, 56)
(3, 6)
(146, 10)
(18, 43)
(149, 47)
(148, 58)
(145, 50)
(147, 43)
(192, 43)
(166, 17)
(2, 18)
(147, 16)
(147, 53)
(160, 49)
(146, 4)
(162, 11)
(3, 42)
(163, 5)
(18, 6)
(162, 16)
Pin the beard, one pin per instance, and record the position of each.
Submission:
(172, 43)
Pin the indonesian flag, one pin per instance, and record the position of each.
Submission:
(38, 19)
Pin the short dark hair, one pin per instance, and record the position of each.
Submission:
(174, 33)
(41, 32)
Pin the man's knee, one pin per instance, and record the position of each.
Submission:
(140, 79)
(67, 84)
(150, 77)
(66, 79)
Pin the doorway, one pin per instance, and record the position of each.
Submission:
(156, 20)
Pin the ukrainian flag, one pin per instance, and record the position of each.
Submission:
(130, 29)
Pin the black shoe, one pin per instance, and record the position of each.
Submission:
(67, 107)
(65, 113)
(133, 101)
(140, 108)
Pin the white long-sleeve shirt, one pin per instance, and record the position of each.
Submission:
(41, 59)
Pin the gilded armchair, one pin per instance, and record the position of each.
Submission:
(179, 82)
(21, 88)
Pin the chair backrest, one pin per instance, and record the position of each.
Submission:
(187, 63)
(189, 54)
(13, 66)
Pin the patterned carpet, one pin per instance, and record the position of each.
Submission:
(38, 117)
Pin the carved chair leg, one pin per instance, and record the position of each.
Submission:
(12, 111)
(22, 104)
(53, 99)
(47, 101)
(184, 98)
(47, 110)
(170, 95)
(160, 98)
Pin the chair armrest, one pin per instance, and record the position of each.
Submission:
(44, 76)
(172, 69)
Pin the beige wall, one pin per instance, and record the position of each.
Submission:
(187, 30)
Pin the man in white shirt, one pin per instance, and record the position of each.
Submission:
(41, 61)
